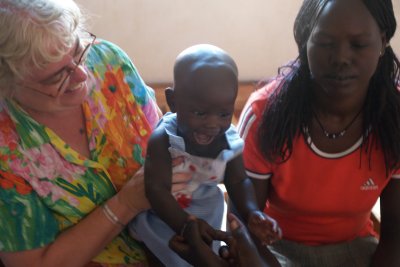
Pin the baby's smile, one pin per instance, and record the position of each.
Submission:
(203, 139)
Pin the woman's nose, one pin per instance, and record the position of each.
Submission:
(341, 54)
(79, 74)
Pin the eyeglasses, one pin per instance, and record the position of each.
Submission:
(81, 60)
(78, 63)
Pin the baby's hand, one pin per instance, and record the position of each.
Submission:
(264, 227)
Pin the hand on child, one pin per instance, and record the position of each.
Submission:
(264, 227)
(242, 251)
(239, 252)
(132, 194)
(192, 247)
(179, 179)
(207, 233)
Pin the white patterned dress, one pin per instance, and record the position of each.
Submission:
(202, 197)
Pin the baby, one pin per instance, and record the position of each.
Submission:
(199, 130)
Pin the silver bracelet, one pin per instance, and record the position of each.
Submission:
(111, 215)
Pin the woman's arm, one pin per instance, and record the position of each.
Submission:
(81, 243)
(387, 252)
(250, 251)
(242, 250)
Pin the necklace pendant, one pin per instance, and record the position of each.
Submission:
(339, 134)
(334, 135)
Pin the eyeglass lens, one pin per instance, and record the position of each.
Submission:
(81, 60)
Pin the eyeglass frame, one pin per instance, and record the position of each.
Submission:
(79, 62)
(81, 59)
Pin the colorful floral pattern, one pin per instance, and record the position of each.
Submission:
(46, 186)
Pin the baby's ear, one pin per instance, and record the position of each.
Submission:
(170, 96)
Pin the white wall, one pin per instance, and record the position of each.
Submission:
(257, 33)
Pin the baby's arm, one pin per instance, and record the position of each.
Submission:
(241, 192)
(158, 177)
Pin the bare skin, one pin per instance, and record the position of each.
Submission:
(97, 229)
(241, 249)
(343, 52)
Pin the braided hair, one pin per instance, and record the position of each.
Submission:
(289, 108)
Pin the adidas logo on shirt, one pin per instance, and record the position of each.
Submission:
(369, 185)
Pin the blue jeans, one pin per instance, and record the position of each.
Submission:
(355, 253)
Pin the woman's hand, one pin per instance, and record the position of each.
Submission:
(242, 250)
(207, 233)
(180, 179)
(194, 249)
(132, 195)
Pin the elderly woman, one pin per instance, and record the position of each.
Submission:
(75, 117)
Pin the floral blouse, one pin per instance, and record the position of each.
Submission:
(46, 186)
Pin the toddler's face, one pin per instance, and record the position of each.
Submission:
(205, 107)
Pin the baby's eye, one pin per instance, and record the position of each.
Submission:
(199, 113)
(225, 115)
(359, 45)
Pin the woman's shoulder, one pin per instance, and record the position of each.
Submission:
(105, 46)
(262, 96)
(106, 53)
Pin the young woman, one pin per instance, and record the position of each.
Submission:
(322, 139)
